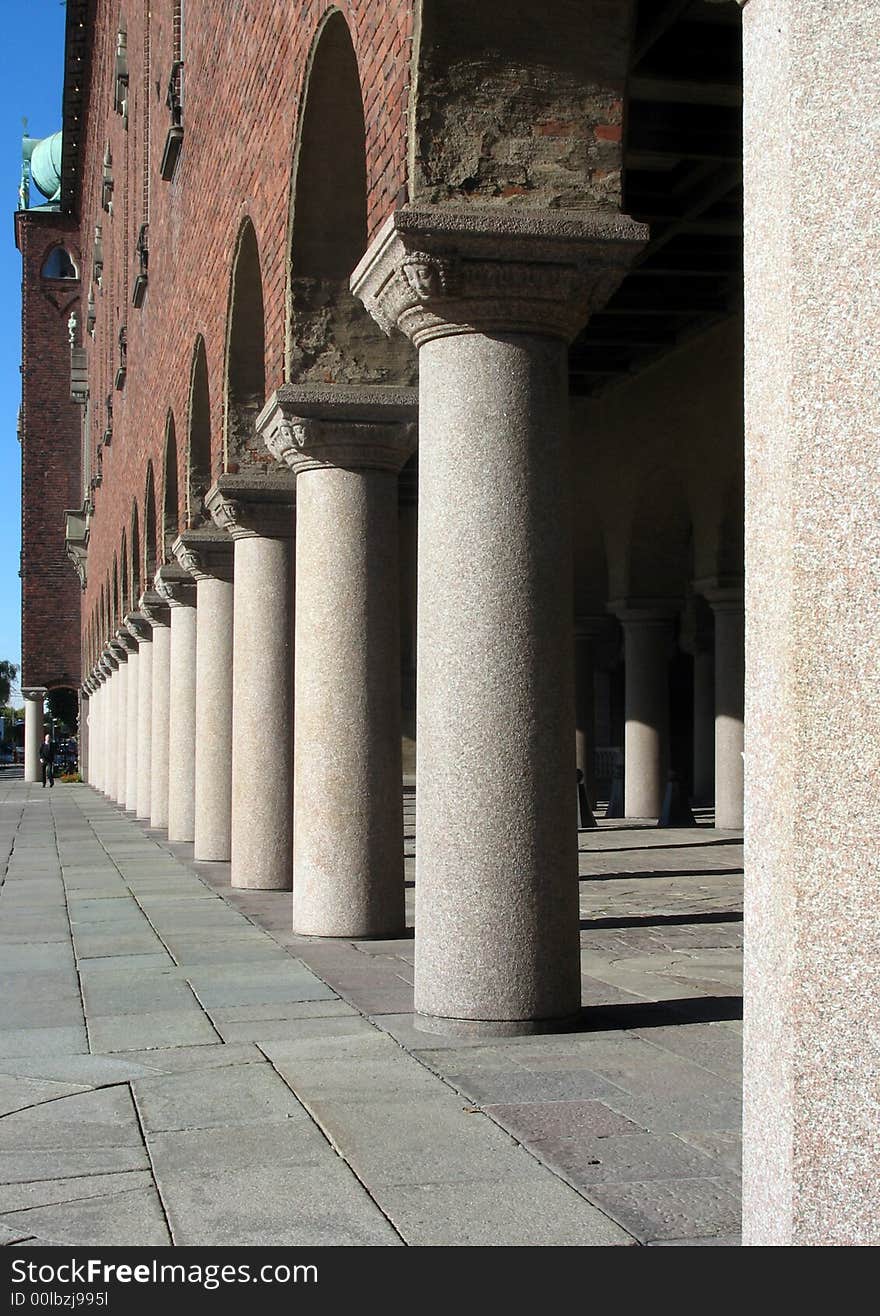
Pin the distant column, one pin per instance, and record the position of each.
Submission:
(207, 555)
(704, 722)
(346, 445)
(258, 512)
(178, 588)
(647, 634)
(587, 631)
(156, 610)
(34, 699)
(727, 604)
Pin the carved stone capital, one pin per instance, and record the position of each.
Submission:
(435, 271)
(313, 427)
(154, 608)
(722, 593)
(137, 626)
(175, 586)
(249, 506)
(34, 692)
(645, 612)
(109, 660)
(205, 554)
(124, 640)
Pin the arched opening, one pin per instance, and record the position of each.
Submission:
(331, 338)
(103, 627)
(170, 503)
(149, 528)
(125, 579)
(114, 615)
(245, 355)
(136, 584)
(59, 265)
(198, 464)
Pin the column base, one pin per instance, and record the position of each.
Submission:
(432, 1023)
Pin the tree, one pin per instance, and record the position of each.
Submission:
(8, 673)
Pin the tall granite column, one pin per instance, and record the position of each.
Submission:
(704, 722)
(143, 631)
(647, 637)
(258, 512)
(727, 604)
(178, 588)
(155, 609)
(812, 714)
(34, 699)
(207, 555)
(133, 624)
(586, 632)
(123, 645)
(111, 658)
(490, 298)
(346, 446)
(85, 696)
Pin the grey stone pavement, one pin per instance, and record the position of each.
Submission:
(177, 1067)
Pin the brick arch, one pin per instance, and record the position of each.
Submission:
(150, 548)
(114, 614)
(136, 569)
(198, 446)
(330, 337)
(170, 489)
(124, 577)
(245, 374)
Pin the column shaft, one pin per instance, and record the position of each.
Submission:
(348, 837)
(144, 727)
(262, 715)
(33, 736)
(729, 702)
(213, 713)
(182, 724)
(585, 742)
(646, 741)
(120, 730)
(496, 884)
(131, 729)
(159, 723)
(704, 726)
(110, 724)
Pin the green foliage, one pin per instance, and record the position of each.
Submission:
(8, 673)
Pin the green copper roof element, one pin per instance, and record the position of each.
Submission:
(46, 166)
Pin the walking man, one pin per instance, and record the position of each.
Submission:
(47, 759)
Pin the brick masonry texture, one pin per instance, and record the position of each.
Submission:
(245, 70)
(50, 589)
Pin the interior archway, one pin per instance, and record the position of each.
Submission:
(170, 502)
(246, 355)
(198, 465)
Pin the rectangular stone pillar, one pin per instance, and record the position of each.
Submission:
(812, 741)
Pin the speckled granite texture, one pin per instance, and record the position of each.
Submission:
(811, 1129)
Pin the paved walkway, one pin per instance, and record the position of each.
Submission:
(177, 1067)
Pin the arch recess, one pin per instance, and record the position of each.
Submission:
(245, 355)
(331, 338)
(170, 498)
(198, 448)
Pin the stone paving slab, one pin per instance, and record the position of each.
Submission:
(346, 1124)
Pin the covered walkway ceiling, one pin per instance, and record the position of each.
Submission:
(683, 177)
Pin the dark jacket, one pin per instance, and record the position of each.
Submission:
(47, 752)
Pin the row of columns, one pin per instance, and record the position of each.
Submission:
(490, 311)
(719, 683)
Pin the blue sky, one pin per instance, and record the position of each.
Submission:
(33, 72)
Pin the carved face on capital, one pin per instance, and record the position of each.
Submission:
(426, 275)
(226, 514)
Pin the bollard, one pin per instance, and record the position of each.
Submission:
(676, 811)
(585, 813)
(615, 802)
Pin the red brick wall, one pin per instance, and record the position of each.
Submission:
(244, 71)
(51, 480)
